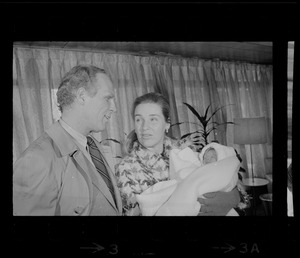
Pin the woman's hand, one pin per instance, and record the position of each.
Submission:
(219, 203)
(192, 141)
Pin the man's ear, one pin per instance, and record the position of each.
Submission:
(81, 95)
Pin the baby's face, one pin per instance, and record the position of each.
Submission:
(210, 156)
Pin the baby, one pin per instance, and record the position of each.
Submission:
(214, 152)
(191, 176)
(209, 156)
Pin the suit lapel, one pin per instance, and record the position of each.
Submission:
(79, 163)
(114, 183)
(97, 180)
(67, 146)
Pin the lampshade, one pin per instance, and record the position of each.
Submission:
(250, 130)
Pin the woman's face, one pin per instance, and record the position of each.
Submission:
(150, 126)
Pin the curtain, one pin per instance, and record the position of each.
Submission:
(241, 89)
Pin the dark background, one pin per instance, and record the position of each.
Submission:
(214, 21)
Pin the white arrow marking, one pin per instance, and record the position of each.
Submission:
(229, 247)
(97, 247)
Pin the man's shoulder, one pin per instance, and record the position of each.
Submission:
(42, 146)
(39, 156)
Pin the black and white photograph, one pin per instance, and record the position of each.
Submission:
(180, 129)
(153, 131)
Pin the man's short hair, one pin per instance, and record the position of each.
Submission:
(79, 76)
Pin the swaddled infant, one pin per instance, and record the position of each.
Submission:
(190, 177)
(210, 156)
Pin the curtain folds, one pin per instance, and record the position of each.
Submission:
(241, 89)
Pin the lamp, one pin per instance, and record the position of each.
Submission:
(251, 131)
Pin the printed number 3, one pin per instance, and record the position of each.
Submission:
(114, 249)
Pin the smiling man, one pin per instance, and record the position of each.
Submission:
(66, 171)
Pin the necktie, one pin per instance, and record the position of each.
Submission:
(99, 164)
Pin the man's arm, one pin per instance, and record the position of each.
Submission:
(219, 203)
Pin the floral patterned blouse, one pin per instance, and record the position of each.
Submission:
(142, 169)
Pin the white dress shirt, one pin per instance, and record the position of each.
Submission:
(78, 137)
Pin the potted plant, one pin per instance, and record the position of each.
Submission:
(206, 125)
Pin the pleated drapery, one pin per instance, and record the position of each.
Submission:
(245, 90)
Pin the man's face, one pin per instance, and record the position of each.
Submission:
(100, 107)
(150, 125)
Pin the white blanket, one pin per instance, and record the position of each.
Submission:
(188, 181)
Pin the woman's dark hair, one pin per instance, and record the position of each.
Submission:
(153, 97)
(130, 139)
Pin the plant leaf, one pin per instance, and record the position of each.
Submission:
(188, 134)
(111, 139)
(185, 135)
(206, 112)
(218, 110)
(242, 170)
(194, 112)
(214, 113)
(222, 123)
(179, 123)
(211, 129)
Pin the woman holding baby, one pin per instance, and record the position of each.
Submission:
(147, 162)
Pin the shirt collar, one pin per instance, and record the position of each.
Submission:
(80, 138)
